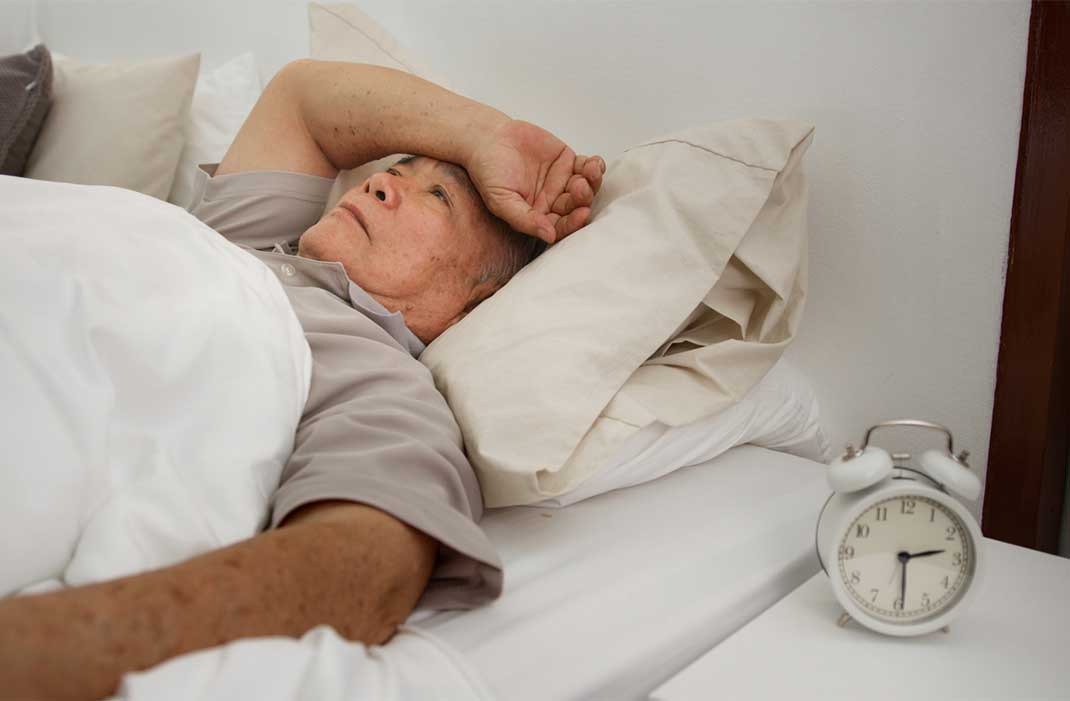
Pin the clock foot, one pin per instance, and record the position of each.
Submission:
(844, 620)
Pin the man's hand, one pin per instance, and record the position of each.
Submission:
(532, 180)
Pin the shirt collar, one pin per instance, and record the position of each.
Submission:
(391, 322)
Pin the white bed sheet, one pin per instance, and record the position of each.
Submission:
(610, 597)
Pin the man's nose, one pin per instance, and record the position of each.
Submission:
(385, 188)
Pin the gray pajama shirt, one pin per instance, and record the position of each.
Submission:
(374, 429)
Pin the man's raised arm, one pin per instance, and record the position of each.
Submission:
(341, 563)
(318, 117)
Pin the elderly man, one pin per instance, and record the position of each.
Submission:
(377, 505)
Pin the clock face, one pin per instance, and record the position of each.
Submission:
(906, 559)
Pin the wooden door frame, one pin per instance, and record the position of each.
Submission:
(1027, 458)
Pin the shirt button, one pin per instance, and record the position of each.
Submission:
(288, 270)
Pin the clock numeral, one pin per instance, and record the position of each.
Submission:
(957, 559)
(951, 530)
(897, 604)
(862, 531)
(907, 507)
(925, 601)
(945, 581)
(932, 515)
(882, 513)
(874, 592)
(847, 552)
(856, 577)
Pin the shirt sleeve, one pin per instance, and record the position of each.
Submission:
(259, 209)
(376, 431)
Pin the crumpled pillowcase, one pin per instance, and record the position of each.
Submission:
(677, 298)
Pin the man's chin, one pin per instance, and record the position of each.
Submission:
(315, 243)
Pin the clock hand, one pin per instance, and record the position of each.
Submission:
(903, 587)
(904, 557)
(901, 557)
(927, 553)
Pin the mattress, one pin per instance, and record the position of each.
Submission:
(612, 596)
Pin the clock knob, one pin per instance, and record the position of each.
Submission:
(855, 471)
(950, 473)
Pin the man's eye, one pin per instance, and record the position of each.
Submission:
(393, 172)
(441, 194)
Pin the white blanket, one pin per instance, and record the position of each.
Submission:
(152, 375)
(151, 379)
(320, 667)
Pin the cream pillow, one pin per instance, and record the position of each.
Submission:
(341, 32)
(674, 301)
(116, 124)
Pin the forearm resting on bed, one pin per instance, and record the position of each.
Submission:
(339, 563)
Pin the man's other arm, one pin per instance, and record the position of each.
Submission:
(340, 563)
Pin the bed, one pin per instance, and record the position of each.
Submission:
(608, 593)
(609, 597)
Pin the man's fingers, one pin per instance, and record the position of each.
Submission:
(574, 220)
(563, 204)
(555, 182)
(522, 217)
(593, 171)
(592, 168)
(595, 164)
(578, 194)
(581, 191)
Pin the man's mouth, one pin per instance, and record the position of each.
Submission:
(348, 210)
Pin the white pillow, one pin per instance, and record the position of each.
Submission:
(781, 413)
(116, 124)
(221, 102)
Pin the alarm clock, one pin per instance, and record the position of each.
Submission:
(902, 553)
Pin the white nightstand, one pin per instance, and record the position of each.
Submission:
(1012, 643)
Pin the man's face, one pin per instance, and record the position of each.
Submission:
(415, 239)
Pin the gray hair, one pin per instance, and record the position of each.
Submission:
(517, 250)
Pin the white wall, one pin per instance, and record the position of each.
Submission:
(917, 107)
